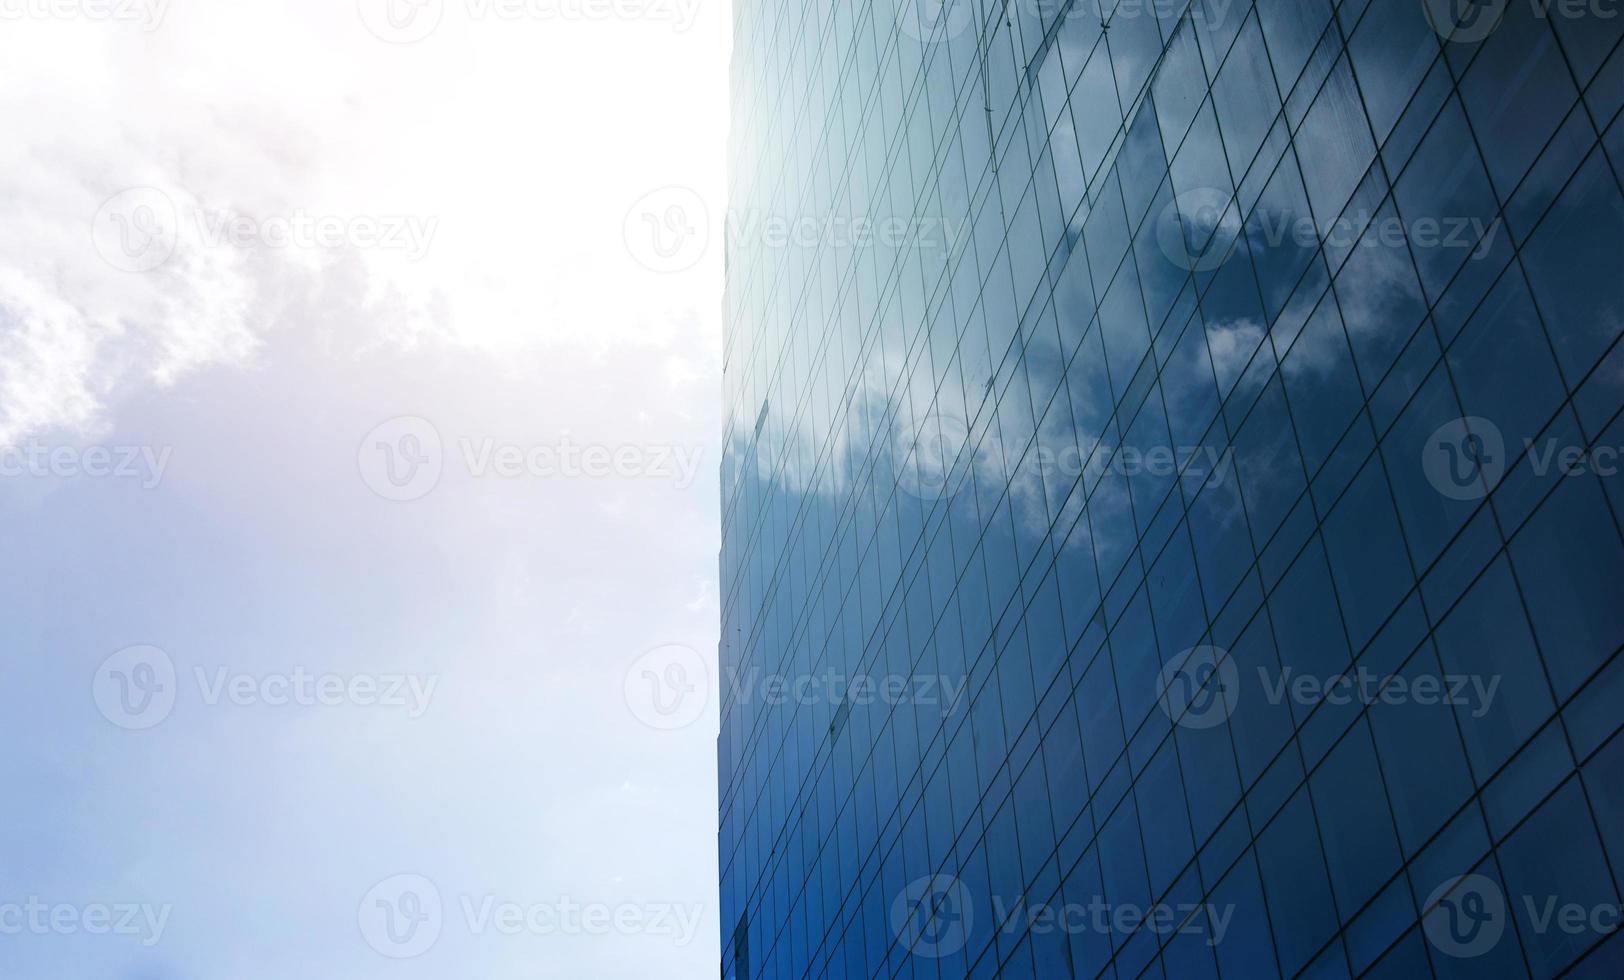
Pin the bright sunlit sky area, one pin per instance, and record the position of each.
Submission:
(359, 432)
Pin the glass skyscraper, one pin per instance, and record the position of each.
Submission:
(1171, 511)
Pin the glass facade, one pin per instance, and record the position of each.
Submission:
(1171, 511)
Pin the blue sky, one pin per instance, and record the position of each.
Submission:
(355, 697)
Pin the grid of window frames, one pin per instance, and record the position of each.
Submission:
(1218, 404)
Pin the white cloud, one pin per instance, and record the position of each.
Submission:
(482, 132)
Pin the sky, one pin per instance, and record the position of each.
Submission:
(359, 431)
